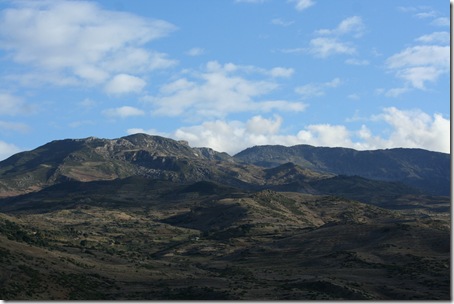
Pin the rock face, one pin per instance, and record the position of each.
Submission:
(287, 168)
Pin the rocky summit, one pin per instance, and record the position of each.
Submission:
(149, 218)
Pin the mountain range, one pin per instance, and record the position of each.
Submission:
(148, 217)
(93, 159)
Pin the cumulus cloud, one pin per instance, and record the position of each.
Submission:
(420, 64)
(7, 149)
(78, 41)
(417, 129)
(123, 112)
(406, 128)
(234, 136)
(219, 90)
(124, 83)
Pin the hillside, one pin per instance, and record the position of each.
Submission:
(142, 239)
(429, 171)
(149, 218)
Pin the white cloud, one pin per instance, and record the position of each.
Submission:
(407, 128)
(420, 56)
(6, 150)
(317, 89)
(124, 83)
(328, 41)
(354, 96)
(436, 37)
(260, 125)
(13, 105)
(195, 52)
(13, 126)
(87, 103)
(301, 5)
(395, 92)
(427, 14)
(351, 25)
(220, 90)
(416, 129)
(442, 21)
(420, 64)
(281, 22)
(77, 41)
(123, 112)
(326, 46)
(281, 72)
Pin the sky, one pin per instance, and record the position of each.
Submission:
(227, 74)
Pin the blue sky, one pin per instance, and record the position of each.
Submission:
(227, 74)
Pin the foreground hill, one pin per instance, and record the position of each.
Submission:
(143, 239)
(429, 171)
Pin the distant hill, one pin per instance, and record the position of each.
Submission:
(302, 168)
(429, 171)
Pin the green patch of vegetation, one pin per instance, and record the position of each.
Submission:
(16, 232)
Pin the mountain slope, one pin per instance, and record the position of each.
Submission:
(426, 170)
(94, 159)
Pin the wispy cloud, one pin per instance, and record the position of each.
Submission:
(196, 51)
(281, 22)
(13, 126)
(317, 89)
(425, 12)
(354, 61)
(441, 21)
(326, 46)
(436, 38)
(123, 112)
(13, 105)
(333, 41)
(351, 25)
(301, 5)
